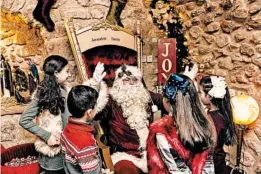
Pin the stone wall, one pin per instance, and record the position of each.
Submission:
(12, 133)
(20, 41)
(224, 37)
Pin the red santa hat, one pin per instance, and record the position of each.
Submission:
(128, 71)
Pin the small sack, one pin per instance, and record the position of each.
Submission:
(51, 123)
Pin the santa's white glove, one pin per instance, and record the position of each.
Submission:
(99, 73)
(192, 73)
(106, 171)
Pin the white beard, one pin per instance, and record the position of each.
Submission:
(133, 100)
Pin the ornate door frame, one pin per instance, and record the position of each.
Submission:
(100, 34)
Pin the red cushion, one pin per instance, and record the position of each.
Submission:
(19, 151)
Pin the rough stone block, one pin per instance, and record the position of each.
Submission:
(195, 32)
(60, 46)
(239, 37)
(247, 159)
(221, 72)
(229, 26)
(251, 70)
(209, 38)
(240, 14)
(226, 63)
(246, 49)
(203, 50)
(212, 28)
(256, 24)
(254, 9)
(208, 19)
(222, 40)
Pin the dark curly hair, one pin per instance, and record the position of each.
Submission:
(49, 93)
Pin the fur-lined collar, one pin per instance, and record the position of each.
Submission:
(103, 97)
(156, 165)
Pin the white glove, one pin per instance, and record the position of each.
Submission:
(106, 171)
(192, 73)
(99, 73)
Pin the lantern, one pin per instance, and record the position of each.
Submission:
(245, 109)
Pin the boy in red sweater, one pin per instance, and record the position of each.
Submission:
(78, 142)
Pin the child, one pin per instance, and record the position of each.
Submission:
(77, 139)
(48, 105)
(180, 142)
(215, 94)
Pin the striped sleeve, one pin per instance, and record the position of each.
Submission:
(88, 159)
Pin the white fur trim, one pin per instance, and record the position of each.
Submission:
(53, 124)
(103, 97)
(43, 148)
(133, 69)
(92, 83)
(143, 135)
(103, 93)
(141, 163)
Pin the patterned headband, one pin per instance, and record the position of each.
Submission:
(173, 84)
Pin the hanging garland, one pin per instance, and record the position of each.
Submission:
(167, 19)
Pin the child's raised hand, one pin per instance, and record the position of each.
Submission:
(191, 73)
(53, 140)
(99, 73)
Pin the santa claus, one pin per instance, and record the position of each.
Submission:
(126, 115)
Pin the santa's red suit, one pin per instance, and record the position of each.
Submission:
(125, 120)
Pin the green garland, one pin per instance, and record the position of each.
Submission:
(173, 30)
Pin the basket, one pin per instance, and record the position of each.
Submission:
(19, 151)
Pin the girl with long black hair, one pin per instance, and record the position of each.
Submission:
(48, 106)
(215, 94)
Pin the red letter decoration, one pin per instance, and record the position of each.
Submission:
(166, 58)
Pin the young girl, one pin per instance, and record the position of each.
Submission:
(48, 105)
(215, 94)
(180, 142)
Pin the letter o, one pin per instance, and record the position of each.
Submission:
(166, 62)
